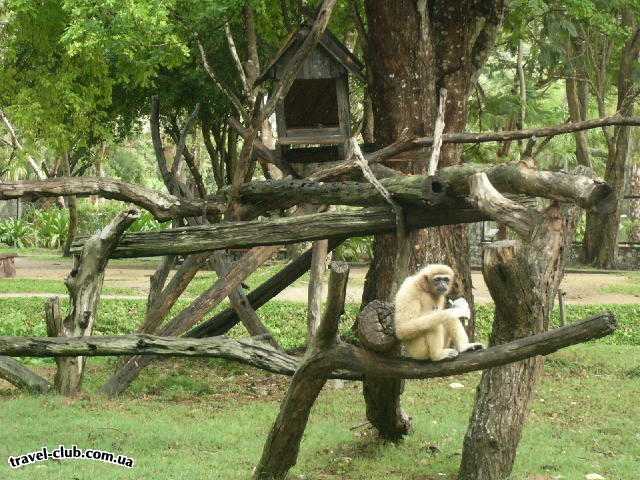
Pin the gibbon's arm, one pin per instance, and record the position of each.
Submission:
(410, 325)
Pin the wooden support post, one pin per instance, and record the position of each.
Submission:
(534, 268)
(561, 294)
(85, 284)
(281, 449)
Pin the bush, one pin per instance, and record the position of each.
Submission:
(51, 227)
(17, 233)
(355, 249)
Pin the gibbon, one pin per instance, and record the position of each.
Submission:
(422, 323)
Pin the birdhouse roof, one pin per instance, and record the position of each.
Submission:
(336, 50)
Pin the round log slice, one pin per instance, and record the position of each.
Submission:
(375, 327)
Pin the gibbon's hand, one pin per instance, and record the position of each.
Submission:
(460, 308)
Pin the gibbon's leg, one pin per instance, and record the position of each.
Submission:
(407, 328)
(459, 338)
(435, 340)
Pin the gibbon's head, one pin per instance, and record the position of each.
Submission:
(436, 279)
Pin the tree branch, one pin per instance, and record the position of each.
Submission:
(161, 205)
(506, 135)
(343, 361)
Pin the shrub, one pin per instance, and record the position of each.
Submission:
(17, 233)
(355, 249)
(51, 227)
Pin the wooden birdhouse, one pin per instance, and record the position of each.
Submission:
(316, 109)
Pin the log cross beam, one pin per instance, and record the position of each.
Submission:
(342, 361)
(430, 201)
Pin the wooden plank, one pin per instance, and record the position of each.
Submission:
(344, 111)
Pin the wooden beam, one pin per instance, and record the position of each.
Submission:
(279, 231)
(342, 361)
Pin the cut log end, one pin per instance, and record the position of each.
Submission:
(375, 327)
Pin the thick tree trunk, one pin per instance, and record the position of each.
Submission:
(414, 47)
(601, 235)
(533, 268)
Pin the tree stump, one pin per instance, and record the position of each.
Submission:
(7, 265)
(375, 327)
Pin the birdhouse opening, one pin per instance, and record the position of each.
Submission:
(312, 104)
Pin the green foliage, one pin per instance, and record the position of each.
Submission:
(51, 226)
(628, 317)
(17, 233)
(355, 249)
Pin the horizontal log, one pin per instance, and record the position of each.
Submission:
(342, 361)
(161, 205)
(419, 190)
(279, 231)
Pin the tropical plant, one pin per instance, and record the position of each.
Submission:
(51, 227)
(17, 233)
(355, 249)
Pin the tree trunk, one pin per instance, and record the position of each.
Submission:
(534, 268)
(634, 203)
(84, 284)
(410, 53)
(72, 205)
(601, 235)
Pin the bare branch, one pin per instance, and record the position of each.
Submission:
(343, 361)
(161, 205)
(437, 134)
(235, 101)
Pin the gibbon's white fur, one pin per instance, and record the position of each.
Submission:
(422, 324)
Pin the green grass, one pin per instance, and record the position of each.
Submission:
(632, 287)
(208, 419)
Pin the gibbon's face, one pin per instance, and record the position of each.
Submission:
(440, 284)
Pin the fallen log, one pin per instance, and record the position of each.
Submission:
(341, 361)
(279, 231)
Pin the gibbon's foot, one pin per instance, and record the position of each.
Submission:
(447, 353)
(473, 347)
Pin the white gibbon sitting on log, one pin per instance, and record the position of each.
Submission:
(422, 323)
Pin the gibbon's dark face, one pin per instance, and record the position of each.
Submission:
(440, 284)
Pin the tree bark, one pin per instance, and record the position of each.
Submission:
(17, 374)
(534, 268)
(84, 284)
(187, 240)
(601, 235)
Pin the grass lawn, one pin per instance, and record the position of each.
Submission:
(207, 419)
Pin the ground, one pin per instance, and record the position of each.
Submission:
(130, 279)
(208, 419)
